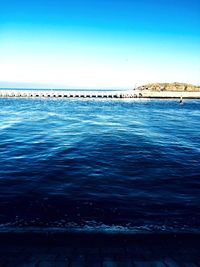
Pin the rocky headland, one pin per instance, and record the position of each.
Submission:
(172, 87)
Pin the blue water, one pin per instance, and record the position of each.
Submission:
(124, 165)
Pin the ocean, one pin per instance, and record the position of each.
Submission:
(100, 165)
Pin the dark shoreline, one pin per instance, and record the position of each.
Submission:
(99, 250)
(67, 237)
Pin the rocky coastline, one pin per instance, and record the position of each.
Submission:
(171, 87)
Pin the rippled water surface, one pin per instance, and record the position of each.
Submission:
(100, 164)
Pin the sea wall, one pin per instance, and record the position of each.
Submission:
(137, 93)
(67, 94)
(169, 94)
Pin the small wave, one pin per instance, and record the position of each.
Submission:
(94, 227)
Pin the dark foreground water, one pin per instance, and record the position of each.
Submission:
(107, 165)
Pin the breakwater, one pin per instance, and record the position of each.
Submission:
(27, 93)
(169, 94)
(68, 94)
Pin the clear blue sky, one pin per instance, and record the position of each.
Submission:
(99, 44)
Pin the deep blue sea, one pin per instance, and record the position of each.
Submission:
(100, 165)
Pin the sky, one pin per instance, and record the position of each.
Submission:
(116, 44)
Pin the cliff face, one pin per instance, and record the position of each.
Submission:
(180, 87)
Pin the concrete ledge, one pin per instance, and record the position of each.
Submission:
(92, 250)
(66, 237)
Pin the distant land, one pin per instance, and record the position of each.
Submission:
(176, 86)
(155, 87)
(151, 90)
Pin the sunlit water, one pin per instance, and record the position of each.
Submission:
(124, 165)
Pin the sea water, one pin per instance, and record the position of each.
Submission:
(100, 165)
